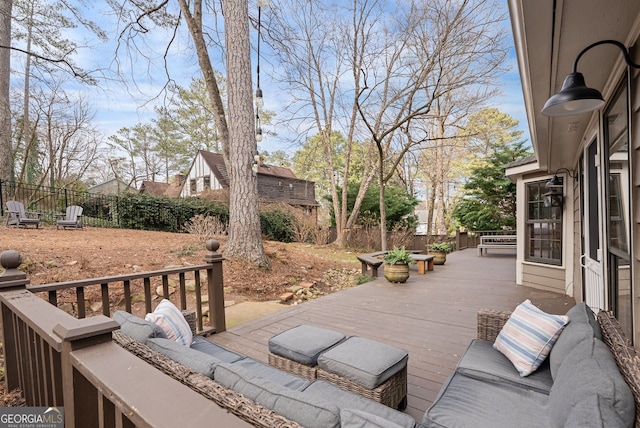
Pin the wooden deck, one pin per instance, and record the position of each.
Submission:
(432, 316)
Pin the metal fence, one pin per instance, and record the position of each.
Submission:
(98, 210)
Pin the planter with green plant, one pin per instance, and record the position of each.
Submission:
(439, 251)
(396, 264)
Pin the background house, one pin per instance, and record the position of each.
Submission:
(111, 187)
(275, 184)
(581, 236)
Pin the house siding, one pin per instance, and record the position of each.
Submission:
(544, 277)
(199, 170)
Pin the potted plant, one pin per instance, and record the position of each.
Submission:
(439, 251)
(396, 264)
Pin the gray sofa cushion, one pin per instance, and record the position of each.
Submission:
(292, 404)
(587, 371)
(350, 418)
(480, 360)
(320, 390)
(594, 412)
(364, 361)
(582, 325)
(203, 345)
(469, 402)
(251, 368)
(195, 360)
(136, 327)
(304, 343)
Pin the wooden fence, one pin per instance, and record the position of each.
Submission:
(59, 360)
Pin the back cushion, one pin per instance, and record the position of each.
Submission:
(588, 371)
(582, 325)
(137, 328)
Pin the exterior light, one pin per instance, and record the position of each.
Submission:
(259, 98)
(576, 97)
(555, 181)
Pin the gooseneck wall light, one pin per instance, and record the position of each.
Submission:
(576, 97)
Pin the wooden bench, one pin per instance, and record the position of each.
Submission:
(424, 262)
(370, 260)
(497, 242)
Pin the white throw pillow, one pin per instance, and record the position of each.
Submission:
(528, 336)
(169, 318)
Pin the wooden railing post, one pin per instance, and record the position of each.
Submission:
(10, 279)
(81, 399)
(215, 286)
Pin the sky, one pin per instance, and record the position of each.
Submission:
(120, 105)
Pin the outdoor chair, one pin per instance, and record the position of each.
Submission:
(72, 218)
(17, 216)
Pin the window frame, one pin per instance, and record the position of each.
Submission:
(549, 219)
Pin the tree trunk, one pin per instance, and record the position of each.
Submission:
(6, 148)
(245, 240)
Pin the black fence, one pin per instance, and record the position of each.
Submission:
(98, 210)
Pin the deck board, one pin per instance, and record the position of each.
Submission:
(432, 316)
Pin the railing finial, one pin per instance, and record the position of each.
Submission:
(12, 277)
(213, 255)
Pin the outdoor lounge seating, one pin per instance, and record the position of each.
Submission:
(261, 394)
(368, 368)
(71, 219)
(581, 384)
(17, 216)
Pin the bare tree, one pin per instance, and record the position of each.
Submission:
(431, 51)
(245, 240)
(6, 147)
(70, 141)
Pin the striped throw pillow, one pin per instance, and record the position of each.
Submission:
(528, 336)
(170, 320)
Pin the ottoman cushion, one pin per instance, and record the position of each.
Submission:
(364, 361)
(304, 343)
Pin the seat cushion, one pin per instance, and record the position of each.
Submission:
(469, 402)
(136, 327)
(318, 412)
(350, 418)
(195, 360)
(482, 361)
(203, 345)
(364, 361)
(255, 369)
(304, 343)
(347, 400)
(170, 319)
(588, 371)
(528, 336)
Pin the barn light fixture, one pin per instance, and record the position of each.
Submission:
(555, 181)
(576, 97)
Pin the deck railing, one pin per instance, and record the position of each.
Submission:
(215, 290)
(58, 360)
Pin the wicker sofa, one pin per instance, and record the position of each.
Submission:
(590, 378)
(257, 393)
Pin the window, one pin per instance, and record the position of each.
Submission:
(192, 185)
(207, 182)
(544, 227)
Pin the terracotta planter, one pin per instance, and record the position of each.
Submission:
(398, 272)
(439, 257)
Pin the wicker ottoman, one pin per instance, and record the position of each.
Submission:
(296, 350)
(368, 368)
